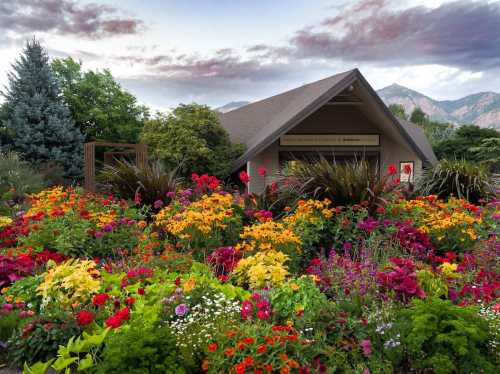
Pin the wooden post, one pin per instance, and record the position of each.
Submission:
(89, 157)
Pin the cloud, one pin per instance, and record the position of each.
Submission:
(463, 34)
(65, 17)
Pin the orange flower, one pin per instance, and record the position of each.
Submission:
(230, 333)
(204, 365)
(285, 370)
(284, 356)
(212, 347)
(241, 346)
(229, 352)
(293, 364)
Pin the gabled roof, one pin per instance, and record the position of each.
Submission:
(259, 124)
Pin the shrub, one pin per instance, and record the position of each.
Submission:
(141, 348)
(460, 178)
(151, 182)
(344, 184)
(437, 335)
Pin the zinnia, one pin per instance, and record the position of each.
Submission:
(100, 299)
(84, 317)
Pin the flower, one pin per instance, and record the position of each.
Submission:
(141, 291)
(117, 319)
(84, 317)
(100, 299)
(228, 352)
(212, 347)
(391, 169)
(158, 204)
(262, 171)
(244, 177)
(366, 345)
(130, 301)
(181, 309)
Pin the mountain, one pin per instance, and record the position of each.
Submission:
(231, 106)
(481, 109)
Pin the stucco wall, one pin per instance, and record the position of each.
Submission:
(332, 119)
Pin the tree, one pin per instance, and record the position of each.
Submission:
(101, 108)
(418, 116)
(399, 111)
(35, 116)
(463, 142)
(191, 137)
(488, 152)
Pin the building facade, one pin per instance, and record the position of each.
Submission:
(340, 118)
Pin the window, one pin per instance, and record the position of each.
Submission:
(406, 171)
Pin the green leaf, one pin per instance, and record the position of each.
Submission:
(86, 363)
(63, 363)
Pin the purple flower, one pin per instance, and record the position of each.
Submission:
(171, 194)
(99, 234)
(107, 228)
(158, 204)
(7, 308)
(181, 309)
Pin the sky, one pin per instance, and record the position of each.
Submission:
(168, 52)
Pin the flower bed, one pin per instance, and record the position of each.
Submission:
(215, 283)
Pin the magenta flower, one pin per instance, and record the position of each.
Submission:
(181, 309)
(366, 345)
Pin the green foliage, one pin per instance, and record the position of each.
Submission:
(141, 348)
(36, 118)
(344, 184)
(437, 335)
(399, 111)
(464, 141)
(17, 178)
(38, 339)
(191, 138)
(298, 300)
(78, 354)
(101, 108)
(152, 181)
(460, 178)
(488, 153)
(435, 131)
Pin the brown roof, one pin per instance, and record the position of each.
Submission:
(259, 124)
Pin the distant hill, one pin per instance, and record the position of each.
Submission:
(481, 109)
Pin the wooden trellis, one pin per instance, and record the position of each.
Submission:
(140, 151)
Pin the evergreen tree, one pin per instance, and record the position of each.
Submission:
(36, 117)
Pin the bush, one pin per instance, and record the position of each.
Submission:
(149, 182)
(17, 178)
(344, 184)
(460, 178)
(141, 349)
(437, 335)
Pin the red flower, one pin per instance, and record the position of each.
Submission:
(262, 348)
(178, 281)
(100, 299)
(240, 368)
(244, 177)
(141, 291)
(84, 317)
(130, 301)
(212, 347)
(117, 319)
(391, 169)
(249, 340)
(262, 172)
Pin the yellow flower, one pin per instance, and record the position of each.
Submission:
(4, 221)
(189, 285)
(449, 270)
(295, 286)
(262, 270)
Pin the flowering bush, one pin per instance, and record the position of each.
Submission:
(258, 348)
(401, 278)
(224, 260)
(206, 223)
(14, 268)
(264, 269)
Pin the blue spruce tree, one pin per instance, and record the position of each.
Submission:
(36, 117)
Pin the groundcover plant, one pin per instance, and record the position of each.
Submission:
(214, 282)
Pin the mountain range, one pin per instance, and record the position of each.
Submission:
(481, 109)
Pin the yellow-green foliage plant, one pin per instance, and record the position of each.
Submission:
(264, 269)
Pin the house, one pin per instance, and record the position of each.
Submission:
(340, 117)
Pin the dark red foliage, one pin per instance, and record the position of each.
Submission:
(401, 278)
(15, 268)
(224, 260)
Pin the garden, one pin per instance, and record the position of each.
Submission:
(208, 278)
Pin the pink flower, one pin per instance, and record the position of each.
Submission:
(246, 309)
(366, 345)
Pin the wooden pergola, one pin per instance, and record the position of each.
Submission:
(140, 151)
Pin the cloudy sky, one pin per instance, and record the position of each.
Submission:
(217, 51)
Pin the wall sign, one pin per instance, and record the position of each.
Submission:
(406, 171)
(330, 140)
